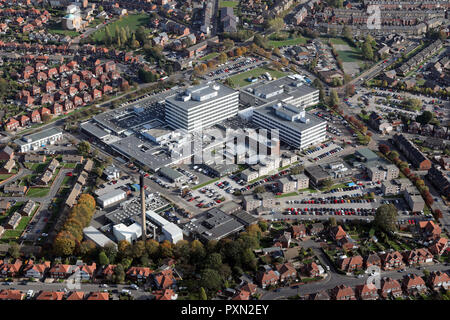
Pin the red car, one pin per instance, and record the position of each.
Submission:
(69, 174)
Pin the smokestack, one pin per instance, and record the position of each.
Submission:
(144, 226)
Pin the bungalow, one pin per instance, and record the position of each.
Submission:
(413, 284)
(439, 280)
(343, 292)
(139, 273)
(390, 288)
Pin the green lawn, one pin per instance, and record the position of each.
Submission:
(132, 22)
(210, 56)
(230, 4)
(287, 42)
(69, 165)
(290, 194)
(5, 176)
(38, 192)
(37, 167)
(353, 55)
(333, 40)
(240, 79)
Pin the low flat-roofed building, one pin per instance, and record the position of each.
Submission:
(97, 237)
(171, 174)
(34, 158)
(111, 198)
(72, 158)
(245, 218)
(15, 189)
(36, 141)
(220, 170)
(317, 174)
(111, 172)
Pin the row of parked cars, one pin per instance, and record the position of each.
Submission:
(328, 153)
(331, 211)
(225, 69)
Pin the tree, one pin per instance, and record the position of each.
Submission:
(437, 214)
(119, 274)
(384, 149)
(334, 98)
(425, 117)
(327, 183)
(332, 221)
(46, 118)
(84, 147)
(152, 248)
(276, 24)
(214, 261)
(347, 33)
(259, 189)
(124, 248)
(203, 294)
(263, 225)
(64, 244)
(14, 250)
(103, 258)
(393, 155)
(386, 218)
(138, 249)
(87, 248)
(100, 8)
(211, 280)
(297, 169)
(367, 50)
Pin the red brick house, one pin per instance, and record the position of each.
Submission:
(52, 72)
(57, 109)
(267, 278)
(47, 99)
(367, 292)
(312, 269)
(337, 233)
(392, 261)
(39, 66)
(94, 83)
(164, 279)
(97, 94)
(82, 85)
(439, 246)
(35, 116)
(12, 124)
(413, 284)
(108, 271)
(351, 264)
(439, 280)
(50, 86)
(287, 272)
(430, 230)
(343, 292)
(298, 231)
(72, 91)
(41, 76)
(35, 90)
(99, 296)
(107, 89)
(24, 120)
(68, 105)
(418, 256)
(72, 64)
(44, 111)
(372, 260)
(50, 295)
(390, 288)
(77, 101)
(64, 83)
(87, 97)
(63, 68)
(86, 74)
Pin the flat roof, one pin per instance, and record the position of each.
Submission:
(111, 194)
(171, 173)
(38, 136)
(94, 130)
(205, 92)
(268, 111)
(95, 235)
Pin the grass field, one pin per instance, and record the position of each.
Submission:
(287, 42)
(38, 192)
(230, 4)
(240, 79)
(210, 56)
(290, 194)
(5, 176)
(132, 22)
(352, 55)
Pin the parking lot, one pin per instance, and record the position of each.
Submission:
(234, 66)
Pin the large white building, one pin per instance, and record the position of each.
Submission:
(129, 233)
(295, 126)
(201, 106)
(170, 231)
(290, 89)
(38, 140)
(111, 197)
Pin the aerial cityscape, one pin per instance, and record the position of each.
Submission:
(224, 150)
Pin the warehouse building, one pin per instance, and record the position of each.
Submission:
(97, 237)
(295, 126)
(112, 197)
(39, 140)
(201, 106)
(171, 174)
(129, 233)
